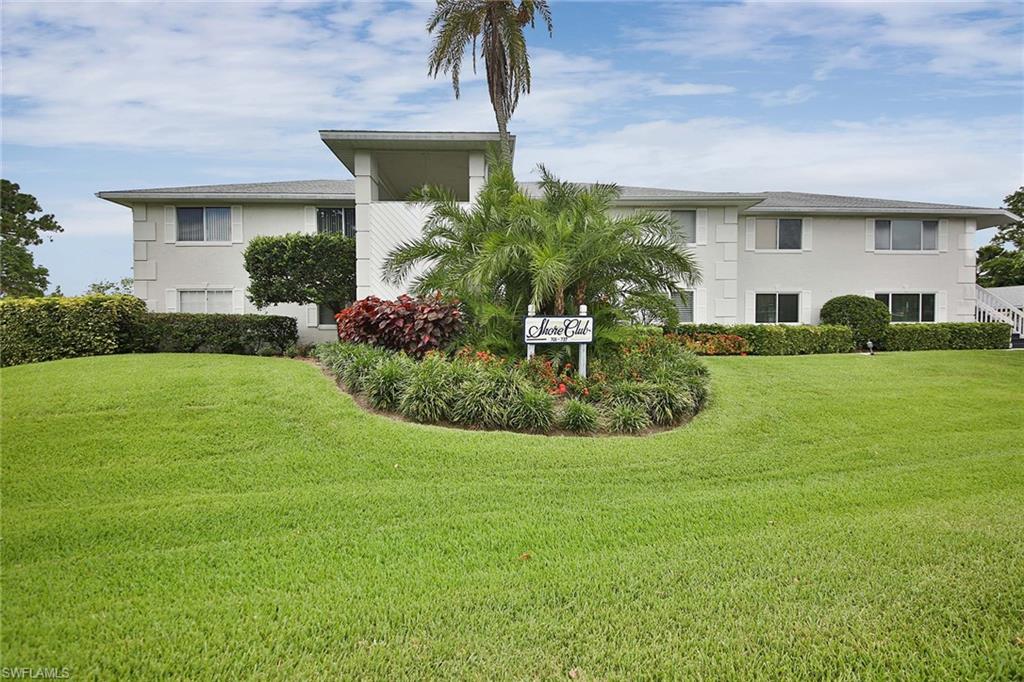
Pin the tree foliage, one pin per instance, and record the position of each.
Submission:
(125, 285)
(496, 27)
(1001, 261)
(21, 227)
(302, 268)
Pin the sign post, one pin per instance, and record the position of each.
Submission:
(531, 310)
(545, 329)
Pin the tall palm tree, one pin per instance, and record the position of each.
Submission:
(497, 27)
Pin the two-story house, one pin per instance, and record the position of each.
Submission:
(765, 257)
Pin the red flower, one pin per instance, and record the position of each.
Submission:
(561, 388)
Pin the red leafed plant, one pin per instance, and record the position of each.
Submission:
(716, 344)
(413, 325)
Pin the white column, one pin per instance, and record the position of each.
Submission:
(477, 173)
(366, 193)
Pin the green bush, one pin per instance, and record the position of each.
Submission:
(301, 268)
(781, 339)
(636, 393)
(360, 364)
(477, 404)
(385, 383)
(39, 329)
(217, 333)
(947, 335)
(627, 418)
(867, 317)
(433, 388)
(533, 410)
(579, 417)
(669, 403)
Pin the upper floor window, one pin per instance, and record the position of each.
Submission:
(684, 305)
(779, 234)
(686, 226)
(906, 235)
(204, 300)
(909, 307)
(777, 308)
(210, 224)
(334, 220)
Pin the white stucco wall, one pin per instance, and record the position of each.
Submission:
(162, 266)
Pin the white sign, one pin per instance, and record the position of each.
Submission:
(544, 329)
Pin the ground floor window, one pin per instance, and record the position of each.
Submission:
(204, 300)
(684, 305)
(777, 308)
(325, 315)
(909, 307)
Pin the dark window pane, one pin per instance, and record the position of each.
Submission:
(930, 235)
(883, 233)
(884, 298)
(765, 309)
(927, 307)
(218, 224)
(906, 307)
(330, 220)
(791, 233)
(325, 313)
(190, 225)
(350, 222)
(684, 305)
(789, 307)
(906, 235)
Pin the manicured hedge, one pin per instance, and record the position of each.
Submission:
(211, 333)
(40, 329)
(780, 339)
(867, 317)
(947, 335)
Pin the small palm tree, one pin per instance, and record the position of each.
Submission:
(497, 26)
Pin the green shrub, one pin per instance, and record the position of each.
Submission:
(578, 417)
(385, 383)
(780, 339)
(533, 410)
(697, 386)
(268, 352)
(362, 361)
(636, 393)
(217, 333)
(39, 329)
(432, 390)
(866, 317)
(476, 405)
(947, 335)
(670, 403)
(627, 418)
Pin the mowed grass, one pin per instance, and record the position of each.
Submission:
(214, 516)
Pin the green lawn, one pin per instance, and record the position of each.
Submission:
(200, 516)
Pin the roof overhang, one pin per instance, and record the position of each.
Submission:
(345, 143)
(743, 201)
(128, 198)
(985, 217)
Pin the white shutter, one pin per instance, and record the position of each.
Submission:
(236, 224)
(749, 315)
(702, 226)
(941, 307)
(312, 315)
(805, 307)
(751, 233)
(869, 234)
(943, 235)
(805, 238)
(171, 300)
(700, 305)
(170, 225)
(238, 301)
(309, 222)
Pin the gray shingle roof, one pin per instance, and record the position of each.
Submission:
(341, 187)
(632, 192)
(806, 200)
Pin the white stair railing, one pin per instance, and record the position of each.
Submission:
(992, 308)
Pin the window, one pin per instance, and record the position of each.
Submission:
(906, 235)
(781, 234)
(325, 315)
(909, 307)
(204, 300)
(335, 220)
(684, 305)
(777, 308)
(686, 226)
(197, 224)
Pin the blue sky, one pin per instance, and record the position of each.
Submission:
(919, 101)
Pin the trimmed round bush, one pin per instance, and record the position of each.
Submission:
(534, 410)
(868, 318)
(386, 382)
(578, 417)
(626, 418)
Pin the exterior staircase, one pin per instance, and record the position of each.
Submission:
(991, 308)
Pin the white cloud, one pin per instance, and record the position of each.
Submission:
(777, 98)
(952, 38)
(921, 159)
(687, 89)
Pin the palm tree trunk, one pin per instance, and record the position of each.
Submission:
(559, 301)
(506, 145)
(581, 294)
